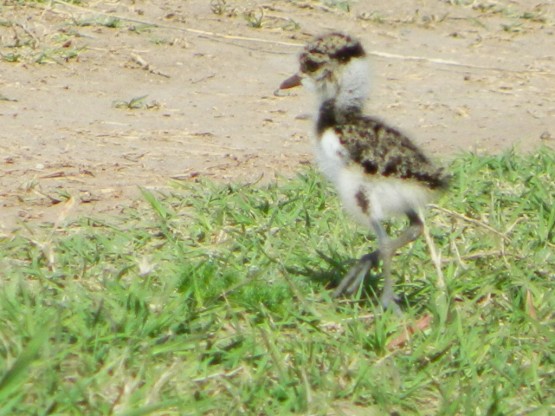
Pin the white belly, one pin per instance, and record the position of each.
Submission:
(386, 197)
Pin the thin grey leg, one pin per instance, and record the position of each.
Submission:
(387, 248)
(352, 280)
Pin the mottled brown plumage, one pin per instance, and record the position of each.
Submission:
(379, 148)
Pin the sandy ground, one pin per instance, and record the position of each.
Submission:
(455, 75)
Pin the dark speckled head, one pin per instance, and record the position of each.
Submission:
(323, 58)
(332, 47)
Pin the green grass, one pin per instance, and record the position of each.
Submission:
(136, 103)
(216, 300)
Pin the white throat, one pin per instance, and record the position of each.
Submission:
(354, 85)
(349, 89)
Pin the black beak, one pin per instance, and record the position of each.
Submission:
(292, 81)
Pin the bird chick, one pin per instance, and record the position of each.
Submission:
(378, 172)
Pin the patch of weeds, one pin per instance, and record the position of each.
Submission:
(291, 25)
(515, 27)
(141, 28)
(26, 45)
(429, 19)
(21, 36)
(136, 103)
(460, 2)
(219, 7)
(254, 17)
(343, 5)
(538, 15)
(486, 7)
(5, 98)
(57, 55)
(110, 22)
(162, 41)
(373, 16)
(104, 21)
(11, 57)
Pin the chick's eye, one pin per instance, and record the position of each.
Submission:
(310, 66)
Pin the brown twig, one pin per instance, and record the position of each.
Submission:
(480, 255)
(436, 259)
(146, 66)
(470, 220)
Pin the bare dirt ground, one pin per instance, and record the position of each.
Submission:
(456, 75)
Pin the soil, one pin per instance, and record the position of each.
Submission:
(98, 98)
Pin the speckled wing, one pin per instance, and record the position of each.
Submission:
(384, 151)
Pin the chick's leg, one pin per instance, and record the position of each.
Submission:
(387, 249)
